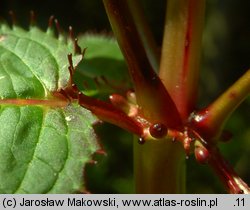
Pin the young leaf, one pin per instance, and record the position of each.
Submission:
(44, 141)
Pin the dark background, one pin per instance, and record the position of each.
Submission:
(225, 57)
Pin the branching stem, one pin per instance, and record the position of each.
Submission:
(179, 68)
(233, 183)
(147, 84)
(210, 121)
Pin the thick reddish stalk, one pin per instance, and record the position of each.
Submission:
(146, 35)
(152, 97)
(109, 113)
(233, 183)
(179, 69)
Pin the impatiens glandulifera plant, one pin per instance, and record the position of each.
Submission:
(47, 111)
(46, 140)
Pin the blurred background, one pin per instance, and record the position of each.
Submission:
(225, 57)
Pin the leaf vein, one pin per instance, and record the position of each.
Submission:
(33, 155)
(68, 155)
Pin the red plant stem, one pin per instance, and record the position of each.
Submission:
(210, 121)
(233, 183)
(109, 113)
(145, 33)
(152, 97)
(179, 68)
(103, 110)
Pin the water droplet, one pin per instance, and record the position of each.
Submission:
(241, 192)
(141, 140)
(158, 130)
(201, 154)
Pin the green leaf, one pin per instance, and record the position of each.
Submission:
(37, 56)
(43, 149)
(103, 59)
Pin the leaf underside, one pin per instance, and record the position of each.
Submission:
(43, 149)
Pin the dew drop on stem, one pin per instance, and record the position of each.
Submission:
(241, 192)
(158, 130)
(141, 140)
(201, 154)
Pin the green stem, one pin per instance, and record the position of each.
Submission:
(159, 167)
(153, 158)
(210, 121)
(179, 68)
